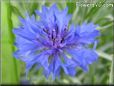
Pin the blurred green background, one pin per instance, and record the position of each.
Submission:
(100, 72)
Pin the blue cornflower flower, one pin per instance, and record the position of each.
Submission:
(54, 45)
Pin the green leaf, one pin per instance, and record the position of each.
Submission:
(10, 67)
(71, 7)
(111, 77)
(104, 55)
(16, 11)
(106, 46)
(33, 7)
(94, 10)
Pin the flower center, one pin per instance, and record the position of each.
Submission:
(56, 37)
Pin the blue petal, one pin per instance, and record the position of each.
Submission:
(88, 27)
(69, 65)
(71, 71)
(62, 20)
(83, 57)
(26, 45)
(20, 32)
(71, 34)
(41, 59)
(87, 33)
(28, 23)
(55, 65)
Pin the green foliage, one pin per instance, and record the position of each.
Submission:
(10, 66)
(100, 72)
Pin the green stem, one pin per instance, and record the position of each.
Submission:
(111, 78)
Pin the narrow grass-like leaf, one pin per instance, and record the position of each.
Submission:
(106, 46)
(33, 7)
(16, 11)
(105, 27)
(94, 10)
(71, 7)
(111, 77)
(10, 72)
(104, 55)
(75, 16)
